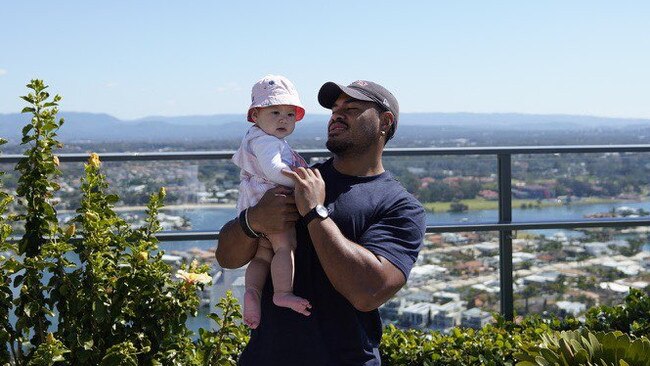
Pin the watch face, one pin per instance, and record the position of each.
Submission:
(322, 211)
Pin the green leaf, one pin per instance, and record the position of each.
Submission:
(88, 345)
(112, 198)
(27, 128)
(28, 98)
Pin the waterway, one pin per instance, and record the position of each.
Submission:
(214, 218)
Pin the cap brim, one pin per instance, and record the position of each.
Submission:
(330, 92)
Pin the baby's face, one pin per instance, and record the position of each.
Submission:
(277, 120)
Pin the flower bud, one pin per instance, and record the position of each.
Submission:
(70, 230)
(94, 160)
(143, 256)
(194, 265)
(91, 216)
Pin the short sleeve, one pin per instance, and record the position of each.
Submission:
(397, 234)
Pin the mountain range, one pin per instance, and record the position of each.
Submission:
(93, 127)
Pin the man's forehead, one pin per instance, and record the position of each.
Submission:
(346, 99)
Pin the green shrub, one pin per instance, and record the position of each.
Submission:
(494, 344)
(6, 295)
(586, 348)
(632, 317)
(223, 346)
(119, 305)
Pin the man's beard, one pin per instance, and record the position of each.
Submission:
(347, 148)
(338, 147)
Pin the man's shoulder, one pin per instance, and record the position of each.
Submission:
(394, 187)
(397, 197)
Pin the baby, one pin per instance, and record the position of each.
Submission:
(262, 156)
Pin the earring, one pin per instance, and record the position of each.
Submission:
(383, 133)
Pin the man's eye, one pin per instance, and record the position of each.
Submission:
(275, 112)
(291, 114)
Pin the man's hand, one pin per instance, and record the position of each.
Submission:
(309, 190)
(275, 212)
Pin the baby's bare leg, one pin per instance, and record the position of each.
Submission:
(255, 278)
(282, 270)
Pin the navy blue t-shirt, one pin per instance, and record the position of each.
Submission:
(375, 212)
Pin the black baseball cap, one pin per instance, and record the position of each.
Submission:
(361, 90)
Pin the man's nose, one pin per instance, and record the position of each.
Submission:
(336, 116)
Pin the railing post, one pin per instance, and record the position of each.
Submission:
(505, 236)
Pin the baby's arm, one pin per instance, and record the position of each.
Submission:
(268, 150)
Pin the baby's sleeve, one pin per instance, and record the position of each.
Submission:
(269, 150)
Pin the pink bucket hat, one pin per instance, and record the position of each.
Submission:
(275, 90)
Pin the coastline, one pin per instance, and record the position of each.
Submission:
(167, 207)
(481, 204)
(473, 204)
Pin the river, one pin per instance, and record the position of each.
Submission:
(214, 218)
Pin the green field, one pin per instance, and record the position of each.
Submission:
(482, 204)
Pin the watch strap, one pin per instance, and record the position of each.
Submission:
(311, 215)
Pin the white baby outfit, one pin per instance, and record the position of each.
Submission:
(262, 157)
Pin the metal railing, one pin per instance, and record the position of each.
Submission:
(505, 225)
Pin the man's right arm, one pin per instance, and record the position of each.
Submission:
(275, 212)
(235, 248)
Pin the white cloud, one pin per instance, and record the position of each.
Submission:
(111, 84)
(3, 72)
(229, 88)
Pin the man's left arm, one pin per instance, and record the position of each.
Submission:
(365, 279)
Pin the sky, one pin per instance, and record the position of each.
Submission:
(133, 59)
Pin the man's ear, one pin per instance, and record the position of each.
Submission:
(255, 114)
(386, 120)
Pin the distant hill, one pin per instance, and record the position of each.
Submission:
(93, 127)
(518, 120)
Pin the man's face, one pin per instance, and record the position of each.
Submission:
(277, 120)
(353, 127)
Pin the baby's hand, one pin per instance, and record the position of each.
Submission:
(282, 191)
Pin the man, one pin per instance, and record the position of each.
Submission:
(359, 233)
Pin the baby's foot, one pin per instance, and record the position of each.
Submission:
(293, 302)
(252, 309)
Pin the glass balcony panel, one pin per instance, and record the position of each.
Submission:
(455, 283)
(580, 186)
(565, 272)
(453, 189)
(595, 266)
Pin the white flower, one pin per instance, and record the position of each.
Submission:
(192, 278)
